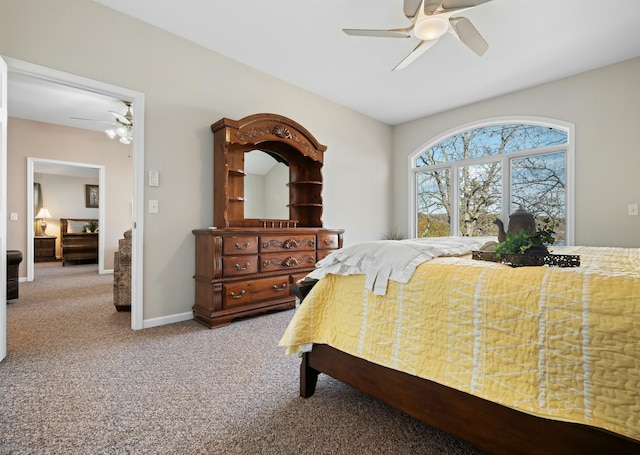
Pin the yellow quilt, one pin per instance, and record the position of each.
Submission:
(561, 343)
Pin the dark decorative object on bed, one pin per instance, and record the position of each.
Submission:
(78, 245)
(528, 259)
(520, 220)
(244, 266)
(525, 244)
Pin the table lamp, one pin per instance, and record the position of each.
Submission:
(43, 214)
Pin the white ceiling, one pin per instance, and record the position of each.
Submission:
(301, 42)
(38, 99)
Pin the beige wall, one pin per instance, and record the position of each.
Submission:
(187, 88)
(604, 105)
(26, 138)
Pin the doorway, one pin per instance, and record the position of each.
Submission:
(17, 67)
(63, 168)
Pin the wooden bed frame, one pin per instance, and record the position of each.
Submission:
(78, 246)
(489, 426)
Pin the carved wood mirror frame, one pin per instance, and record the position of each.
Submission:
(285, 140)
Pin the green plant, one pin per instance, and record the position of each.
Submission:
(92, 225)
(394, 235)
(522, 241)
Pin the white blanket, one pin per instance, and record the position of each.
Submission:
(385, 260)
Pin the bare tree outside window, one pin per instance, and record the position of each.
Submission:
(479, 159)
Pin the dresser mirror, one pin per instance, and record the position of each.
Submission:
(235, 190)
(266, 186)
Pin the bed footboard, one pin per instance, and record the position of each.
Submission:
(487, 425)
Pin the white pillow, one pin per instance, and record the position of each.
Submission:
(75, 226)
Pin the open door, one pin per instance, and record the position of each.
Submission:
(3, 209)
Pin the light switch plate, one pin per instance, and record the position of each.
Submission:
(153, 206)
(14, 216)
(154, 178)
(632, 209)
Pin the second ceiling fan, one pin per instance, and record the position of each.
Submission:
(122, 124)
(430, 19)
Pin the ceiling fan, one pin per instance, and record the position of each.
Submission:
(430, 19)
(122, 124)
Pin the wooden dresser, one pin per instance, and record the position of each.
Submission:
(241, 272)
(244, 265)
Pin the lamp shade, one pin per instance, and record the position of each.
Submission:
(43, 213)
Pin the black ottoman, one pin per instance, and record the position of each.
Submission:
(14, 258)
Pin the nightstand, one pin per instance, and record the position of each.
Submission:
(44, 248)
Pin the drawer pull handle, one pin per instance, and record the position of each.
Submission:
(242, 247)
(328, 241)
(290, 262)
(289, 244)
(242, 267)
(239, 296)
(280, 288)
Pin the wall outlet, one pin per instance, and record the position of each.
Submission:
(632, 209)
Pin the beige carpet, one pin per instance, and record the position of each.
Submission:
(78, 380)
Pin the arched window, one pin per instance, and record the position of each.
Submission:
(467, 178)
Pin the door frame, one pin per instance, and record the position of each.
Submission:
(3, 208)
(137, 157)
(31, 170)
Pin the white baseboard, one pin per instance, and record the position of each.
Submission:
(171, 319)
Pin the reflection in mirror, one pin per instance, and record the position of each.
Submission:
(266, 188)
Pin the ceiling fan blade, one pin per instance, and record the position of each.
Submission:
(420, 49)
(469, 35)
(431, 6)
(394, 33)
(121, 118)
(411, 8)
(460, 4)
(93, 120)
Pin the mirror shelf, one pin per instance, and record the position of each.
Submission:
(287, 142)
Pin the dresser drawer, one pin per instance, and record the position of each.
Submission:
(276, 243)
(327, 242)
(287, 261)
(250, 291)
(242, 244)
(239, 265)
(321, 254)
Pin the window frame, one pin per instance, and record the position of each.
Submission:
(505, 159)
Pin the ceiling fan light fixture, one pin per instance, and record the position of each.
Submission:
(431, 28)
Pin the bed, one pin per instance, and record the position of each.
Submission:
(512, 360)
